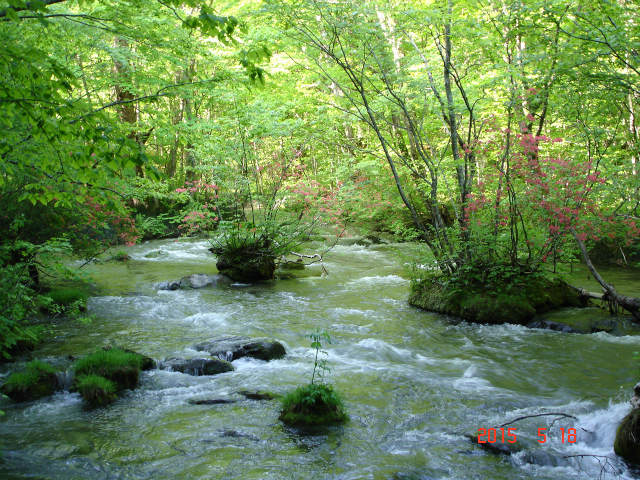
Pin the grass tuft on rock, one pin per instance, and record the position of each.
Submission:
(96, 391)
(36, 381)
(119, 366)
(313, 405)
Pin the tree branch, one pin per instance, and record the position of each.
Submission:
(28, 6)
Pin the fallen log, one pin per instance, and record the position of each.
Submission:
(630, 304)
(586, 294)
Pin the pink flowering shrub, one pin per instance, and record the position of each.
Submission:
(202, 213)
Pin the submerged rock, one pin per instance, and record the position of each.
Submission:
(586, 320)
(233, 347)
(351, 241)
(497, 447)
(198, 366)
(200, 280)
(549, 325)
(257, 395)
(212, 401)
(197, 280)
(235, 434)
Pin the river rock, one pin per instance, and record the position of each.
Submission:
(212, 401)
(200, 280)
(627, 443)
(351, 241)
(233, 347)
(635, 400)
(235, 434)
(498, 447)
(197, 280)
(256, 395)
(549, 325)
(198, 366)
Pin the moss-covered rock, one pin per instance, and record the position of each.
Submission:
(627, 443)
(247, 266)
(119, 366)
(120, 256)
(313, 405)
(36, 381)
(482, 304)
(64, 298)
(96, 391)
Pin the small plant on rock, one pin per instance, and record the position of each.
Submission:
(96, 391)
(316, 403)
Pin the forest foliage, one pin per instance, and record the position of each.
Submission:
(498, 133)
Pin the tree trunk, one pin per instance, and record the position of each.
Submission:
(128, 112)
(631, 304)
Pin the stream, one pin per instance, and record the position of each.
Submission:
(414, 383)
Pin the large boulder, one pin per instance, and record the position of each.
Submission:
(627, 443)
(198, 366)
(234, 347)
(635, 400)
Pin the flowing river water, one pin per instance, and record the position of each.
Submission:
(414, 383)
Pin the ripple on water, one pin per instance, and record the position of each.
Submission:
(378, 280)
(175, 251)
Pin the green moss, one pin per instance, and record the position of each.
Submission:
(517, 300)
(119, 366)
(96, 391)
(36, 381)
(313, 404)
(627, 443)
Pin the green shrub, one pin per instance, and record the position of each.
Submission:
(66, 296)
(161, 226)
(18, 303)
(313, 404)
(119, 366)
(36, 381)
(97, 391)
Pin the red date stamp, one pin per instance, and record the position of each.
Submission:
(508, 435)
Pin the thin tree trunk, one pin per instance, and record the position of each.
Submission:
(631, 304)
(128, 112)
